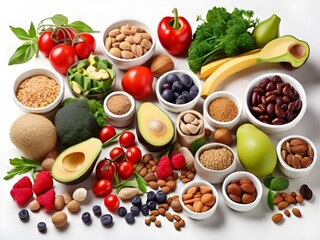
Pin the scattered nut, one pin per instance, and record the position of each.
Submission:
(79, 194)
(73, 206)
(59, 219)
(277, 218)
(161, 64)
(296, 212)
(34, 205)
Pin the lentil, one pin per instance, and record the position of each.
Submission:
(37, 91)
(216, 158)
(223, 109)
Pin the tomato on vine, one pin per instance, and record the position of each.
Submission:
(125, 169)
(117, 154)
(85, 47)
(61, 57)
(105, 169)
(45, 43)
(133, 154)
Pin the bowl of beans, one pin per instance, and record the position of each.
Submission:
(215, 161)
(297, 155)
(38, 90)
(275, 102)
(222, 109)
(128, 43)
(242, 191)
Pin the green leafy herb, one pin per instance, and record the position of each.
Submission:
(136, 181)
(197, 144)
(107, 143)
(20, 166)
(274, 184)
(142, 184)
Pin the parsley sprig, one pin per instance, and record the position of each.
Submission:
(22, 165)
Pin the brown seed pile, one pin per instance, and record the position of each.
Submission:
(223, 109)
(216, 158)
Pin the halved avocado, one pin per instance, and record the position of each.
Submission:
(155, 130)
(76, 163)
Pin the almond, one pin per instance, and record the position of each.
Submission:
(277, 218)
(197, 206)
(208, 199)
(235, 198)
(234, 189)
(248, 188)
(299, 198)
(192, 190)
(161, 182)
(282, 205)
(205, 189)
(299, 148)
(166, 189)
(287, 212)
(296, 212)
(290, 199)
(277, 199)
(248, 197)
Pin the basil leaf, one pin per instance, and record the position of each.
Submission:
(32, 31)
(80, 27)
(141, 182)
(20, 33)
(59, 20)
(267, 181)
(279, 184)
(270, 198)
(24, 53)
(197, 144)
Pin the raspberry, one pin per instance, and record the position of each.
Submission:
(24, 182)
(21, 195)
(46, 200)
(178, 161)
(42, 183)
(164, 168)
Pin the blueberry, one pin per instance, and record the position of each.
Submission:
(129, 218)
(144, 210)
(161, 197)
(122, 211)
(175, 95)
(177, 87)
(194, 90)
(167, 95)
(181, 100)
(151, 196)
(186, 81)
(151, 205)
(135, 210)
(42, 227)
(86, 217)
(136, 201)
(187, 96)
(24, 215)
(96, 210)
(171, 78)
(166, 86)
(106, 219)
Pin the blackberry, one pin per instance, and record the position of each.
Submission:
(135, 210)
(24, 215)
(96, 210)
(161, 197)
(106, 219)
(152, 205)
(129, 218)
(144, 210)
(122, 211)
(86, 217)
(136, 201)
(42, 227)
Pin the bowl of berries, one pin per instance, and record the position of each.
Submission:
(178, 90)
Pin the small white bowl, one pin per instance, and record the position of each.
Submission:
(197, 215)
(123, 120)
(241, 207)
(125, 64)
(292, 172)
(214, 176)
(39, 71)
(177, 108)
(270, 128)
(218, 124)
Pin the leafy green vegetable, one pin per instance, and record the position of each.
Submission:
(220, 35)
(197, 144)
(274, 184)
(136, 181)
(20, 166)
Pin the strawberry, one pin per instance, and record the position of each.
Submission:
(21, 195)
(43, 182)
(46, 200)
(164, 168)
(24, 182)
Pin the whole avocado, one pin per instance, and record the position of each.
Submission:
(75, 123)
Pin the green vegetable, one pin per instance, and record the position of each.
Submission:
(137, 181)
(30, 46)
(22, 165)
(274, 184)
(220, 35)
(197, 144)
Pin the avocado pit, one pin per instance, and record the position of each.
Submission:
(157, 127)
(297, 51)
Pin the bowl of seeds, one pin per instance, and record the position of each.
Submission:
(215, 161)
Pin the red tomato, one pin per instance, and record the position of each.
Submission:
(106, 133)
(102, 188)
(61, 57)
(85, 48)
(45, 43)
(133, 154)
(112, 202)
(125, 169)
(127, 139)
(105, 170)
(117, 154)
(137, 81)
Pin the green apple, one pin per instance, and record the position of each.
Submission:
(255, 150)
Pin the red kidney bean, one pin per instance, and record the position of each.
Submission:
(270, 87)
(264, 83)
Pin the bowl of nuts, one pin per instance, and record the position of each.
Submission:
(215, 161)
(297, 155)
(275, 102)
(242, 191)
(128, 43)
(199, 199)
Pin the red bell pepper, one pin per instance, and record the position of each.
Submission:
(175, 33)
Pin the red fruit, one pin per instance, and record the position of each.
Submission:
(21, 195)
(42, 183)
(178, 161)
(164, 168)
(24, 182)
(46, 200)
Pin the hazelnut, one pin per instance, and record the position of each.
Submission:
(223, 135)
(161, 64)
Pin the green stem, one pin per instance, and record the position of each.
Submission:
(175, 25)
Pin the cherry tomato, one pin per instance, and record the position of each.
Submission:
(102, 188)
(125, 169)
(137, 81)
(85, 48)
(127, 139)
(112, 202)
(105, 170)
(133, 154)
(61, 57)
(45, 43)
(106, 133)
(66, 35)
(117, 154)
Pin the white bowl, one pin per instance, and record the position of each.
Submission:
(198, 215)
(177, 108)
(125, 64)
(292, 172)
(214, 176)
(123, 120)
(241, 207)
(218, 124)
(270, 128)
(39, 71)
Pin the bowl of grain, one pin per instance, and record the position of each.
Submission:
(222, 109)
(215, 161)
(38, 90)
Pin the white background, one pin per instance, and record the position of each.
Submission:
(299, 18)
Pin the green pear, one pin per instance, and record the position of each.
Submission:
(255, 150)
